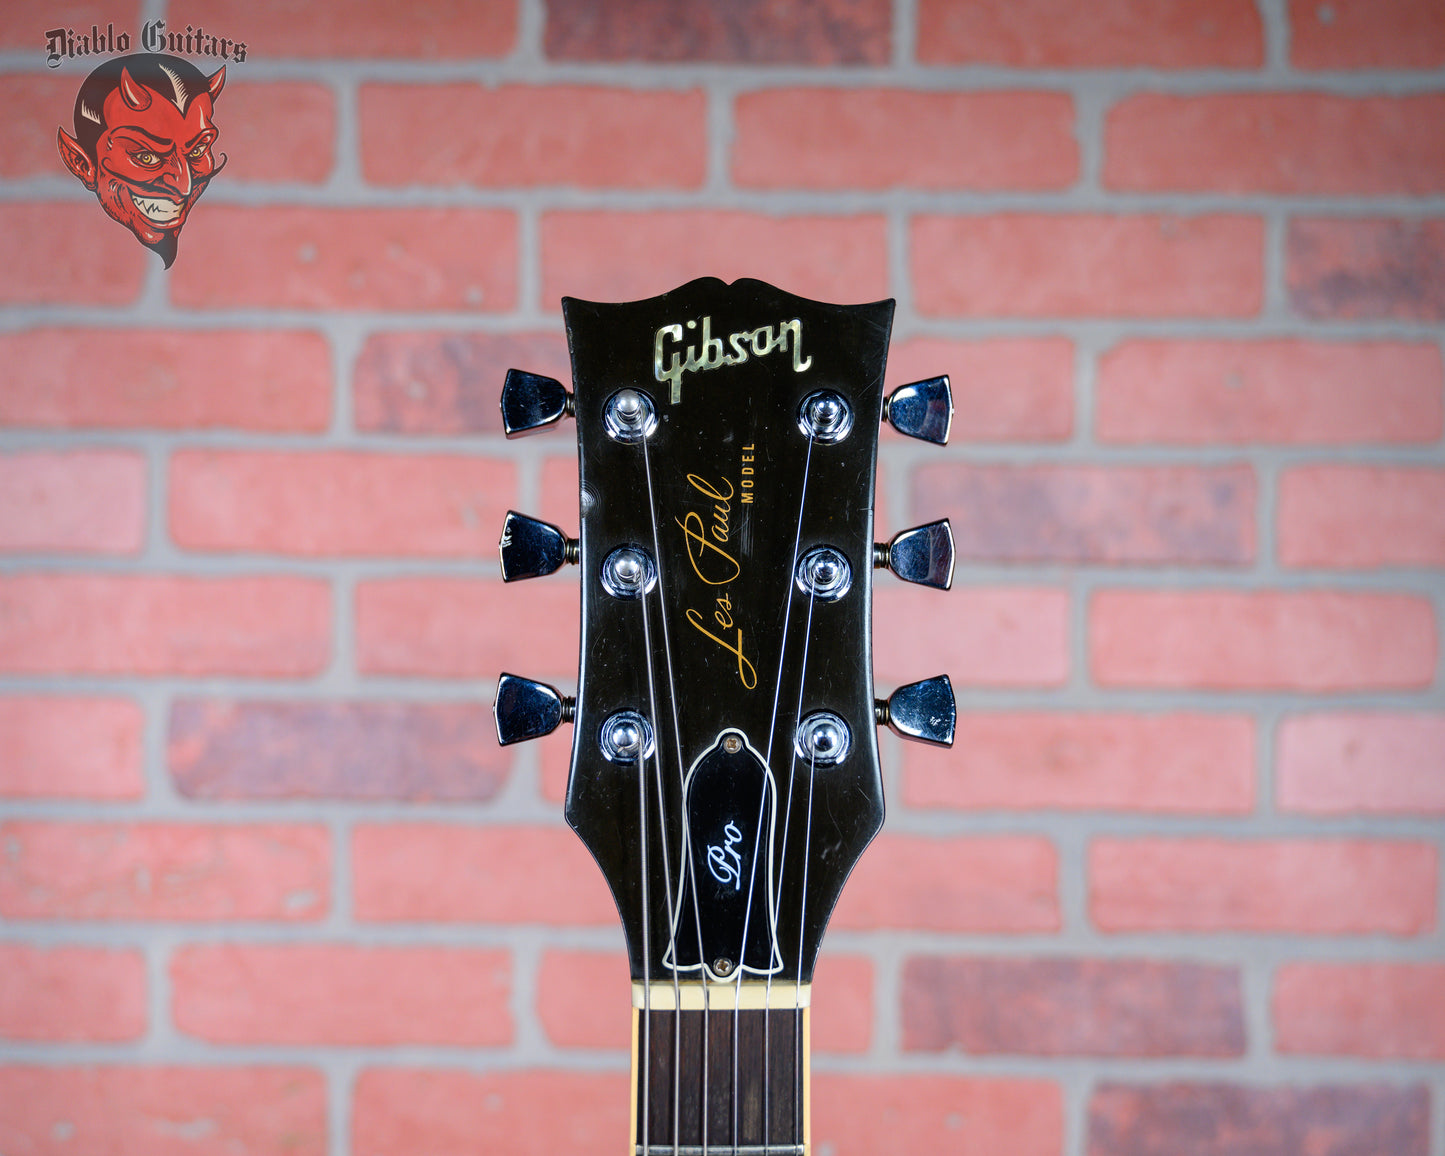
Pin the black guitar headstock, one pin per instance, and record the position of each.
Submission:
(725, 763)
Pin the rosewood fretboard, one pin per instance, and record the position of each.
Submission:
(695, 1096)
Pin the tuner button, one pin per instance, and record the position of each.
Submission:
(923, 554)
(922, 409)
(922, 711)
(528, 710)
(531, 548)
(531, 402)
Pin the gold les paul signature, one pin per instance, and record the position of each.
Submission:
(717, 567)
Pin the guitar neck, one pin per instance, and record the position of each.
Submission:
(728, 1078)
(725, 771)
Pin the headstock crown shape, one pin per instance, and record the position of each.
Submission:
(725, 764)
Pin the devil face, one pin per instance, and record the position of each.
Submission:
(151, 158)
(153, 162)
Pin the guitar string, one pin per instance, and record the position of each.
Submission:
(691, 881)
(782, 871)
(666, 867)
(645, 1036)
(802, 911)
(762, 802)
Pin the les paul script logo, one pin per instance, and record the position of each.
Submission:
(748, 342)
(711, 561)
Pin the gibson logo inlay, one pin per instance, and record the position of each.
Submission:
(748, 342)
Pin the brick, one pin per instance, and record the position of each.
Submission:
(1071, 1007)
(27, 138)
(996, 140)
(1129, 515)
(177, 871)
(77, 501)
(1280, 392)
(555, 758)
(1301, 886)
(721, 31)
(326, 993)
(330, 503)
(148, 625)
(461, 628)
(1303, 143)
(446, 381)
(1378, 1010)
(435, 873)
(402, 1111)
(1366, 34)
(369, 28)
(1004, 389)
(1087, 265)
(1177, 763)
(283, 131)
(274, 381)
(174, 1111)
(560, 490)
(295, 257)
(1361, 762)
(71, 748)
(72, 993)
(1339, 270)
(842, 1016)
(1306, 640)
(580, 136)
(981, 636)
(621, 256)
(23, 22)
(857, 1115)
(1356, 517)
(416, 751)
(1041, 34)
(584, 999)
(67, 254)
(1193, 1119)
(1004, 883)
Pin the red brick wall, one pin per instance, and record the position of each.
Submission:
(266, 882)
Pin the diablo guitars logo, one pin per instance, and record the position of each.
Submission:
(143, 143)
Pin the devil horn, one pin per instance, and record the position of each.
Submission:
(133, 94)
(217, 82)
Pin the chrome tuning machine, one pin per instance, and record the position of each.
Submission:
(532, 402)
(923, 555)
(531, 548)
(922, 711)
(922, 409)
(525, 709)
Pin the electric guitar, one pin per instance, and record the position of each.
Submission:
(724, 761)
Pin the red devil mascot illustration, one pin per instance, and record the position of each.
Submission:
(142, 143)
